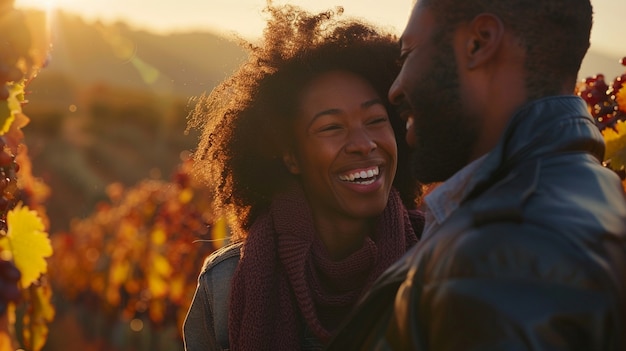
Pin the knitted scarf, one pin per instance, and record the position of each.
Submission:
(285, 281)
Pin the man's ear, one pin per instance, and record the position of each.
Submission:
(291, 162)
(484, 39)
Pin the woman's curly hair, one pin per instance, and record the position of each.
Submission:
(246, 121)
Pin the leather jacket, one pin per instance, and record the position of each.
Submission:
(533, 259)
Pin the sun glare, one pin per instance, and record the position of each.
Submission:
(39, 4)
(48, 6)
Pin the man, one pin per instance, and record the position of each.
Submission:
(524, 246)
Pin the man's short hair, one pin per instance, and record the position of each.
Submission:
(554, 33)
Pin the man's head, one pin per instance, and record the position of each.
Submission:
(553, 33)
(468, 65)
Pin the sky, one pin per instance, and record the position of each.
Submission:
(245, 17)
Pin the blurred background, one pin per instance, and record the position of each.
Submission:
(107, 136)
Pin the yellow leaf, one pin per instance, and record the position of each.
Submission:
(177, 288)
(11, 106)
(158, 276)
(219, 231)
(158, 236)
(157, 285)
(185, 196)
(615, 140)
(28, 243)
(119, 272)
(161, 265)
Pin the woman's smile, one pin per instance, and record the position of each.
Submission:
(345, 151)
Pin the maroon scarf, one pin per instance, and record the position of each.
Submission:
(285, 277)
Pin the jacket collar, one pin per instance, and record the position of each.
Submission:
(544, 126)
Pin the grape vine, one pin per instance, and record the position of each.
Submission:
(607, 105)
(137, 256)
(25, 297)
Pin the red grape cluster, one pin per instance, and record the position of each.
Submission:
(601, 98)
(8, 182)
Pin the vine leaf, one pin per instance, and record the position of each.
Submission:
(11, 106)
(615, 140)
(158, 275)
(219, 232)
(28, 243)
(37, 319)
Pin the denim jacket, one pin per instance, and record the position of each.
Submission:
(206, 324)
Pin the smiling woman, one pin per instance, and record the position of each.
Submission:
(303, 158)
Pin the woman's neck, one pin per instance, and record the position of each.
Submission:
(342, 237)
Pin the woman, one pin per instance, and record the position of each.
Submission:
(300, 150)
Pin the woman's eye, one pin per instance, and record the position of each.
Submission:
(379, 120)
(330, 127)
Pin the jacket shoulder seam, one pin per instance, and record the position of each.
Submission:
(226, 253)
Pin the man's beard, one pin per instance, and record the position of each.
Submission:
(446, 133)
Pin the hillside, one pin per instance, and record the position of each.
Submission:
(111, 106)
(596, 62)
(183, 64)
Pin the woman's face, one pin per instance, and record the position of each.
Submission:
(345, 152)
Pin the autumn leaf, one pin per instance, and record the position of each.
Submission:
(158, 276)
(615, 140)
(11, 106)
(37, 319)
(185, 196)
(219, 232)
(177, 288)
(158, 236)
(28, 243)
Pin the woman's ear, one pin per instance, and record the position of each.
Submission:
(291, 162)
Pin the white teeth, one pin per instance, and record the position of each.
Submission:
(370, 173)
(409, 123)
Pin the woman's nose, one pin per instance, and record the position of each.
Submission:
(360, 142)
